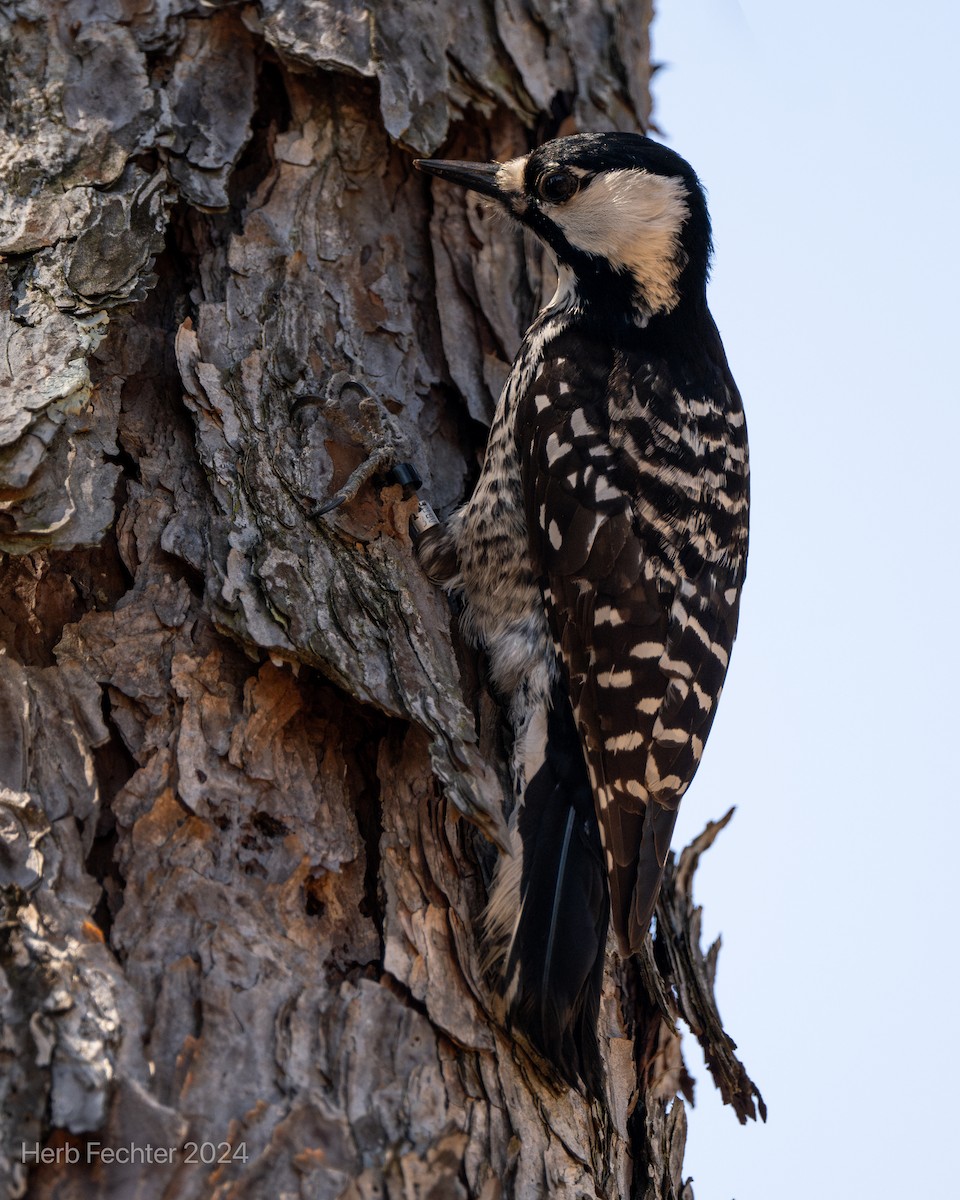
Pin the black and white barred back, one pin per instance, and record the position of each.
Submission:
(601, 558)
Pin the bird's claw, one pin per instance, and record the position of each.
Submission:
(375, 429)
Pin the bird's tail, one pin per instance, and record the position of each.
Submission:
(549, 906)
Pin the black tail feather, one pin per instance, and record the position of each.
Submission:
(658, 826)
(556, 957)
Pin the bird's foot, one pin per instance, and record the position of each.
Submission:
(351, 405)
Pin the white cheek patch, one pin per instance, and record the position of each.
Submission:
(633, 219)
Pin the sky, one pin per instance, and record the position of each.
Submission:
(826, 135)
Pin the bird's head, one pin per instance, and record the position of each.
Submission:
(625, 216)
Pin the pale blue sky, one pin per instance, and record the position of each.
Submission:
(826, 134)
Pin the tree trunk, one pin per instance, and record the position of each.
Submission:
(240, 910)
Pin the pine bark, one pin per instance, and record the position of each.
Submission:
(240, 907)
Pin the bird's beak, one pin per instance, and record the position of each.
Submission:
(478, 177)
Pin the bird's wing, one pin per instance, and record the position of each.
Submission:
(636, 515)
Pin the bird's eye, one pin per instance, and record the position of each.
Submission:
(557, 186)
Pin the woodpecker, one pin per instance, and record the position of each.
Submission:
(600, 560)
